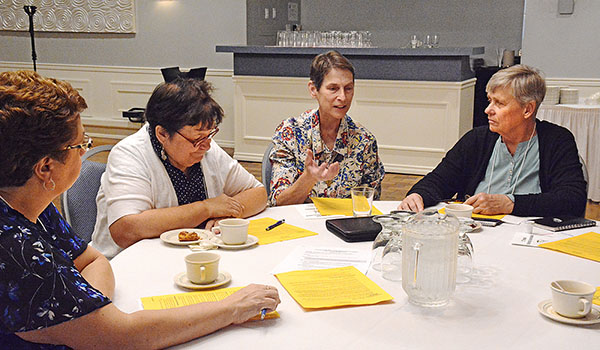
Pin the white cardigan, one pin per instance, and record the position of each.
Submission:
(136, 180)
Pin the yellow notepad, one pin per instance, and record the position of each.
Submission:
(337, 206)
(342, 286)
(171, 301)
(280, 233)
(482, 216)
(586, 246)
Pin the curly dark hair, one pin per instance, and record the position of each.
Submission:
(38, 117)
(183, 102)
(323, 63)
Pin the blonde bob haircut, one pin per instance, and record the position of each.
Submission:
(525, 83)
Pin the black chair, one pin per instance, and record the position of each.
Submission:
(172, 73)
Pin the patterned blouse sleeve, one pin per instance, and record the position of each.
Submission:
(39, 284)
(373, 169)
(286, 168)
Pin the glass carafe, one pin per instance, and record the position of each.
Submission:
(429, 257)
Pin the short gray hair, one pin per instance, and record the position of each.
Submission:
(526, 84)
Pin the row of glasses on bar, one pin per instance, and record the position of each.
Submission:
(333, 38)
(430, 41)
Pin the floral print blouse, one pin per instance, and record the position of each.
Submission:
(355, 148)
(39, 284)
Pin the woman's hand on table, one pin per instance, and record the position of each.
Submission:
(224, 206)
(323, 172)
(490, 204)
(412, 202)
(251, 300)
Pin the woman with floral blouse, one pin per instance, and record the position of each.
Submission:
(55, 290)
(323, 152)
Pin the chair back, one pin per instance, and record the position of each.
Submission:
(79, 202)
(266, 169)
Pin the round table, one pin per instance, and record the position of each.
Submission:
(498, 310)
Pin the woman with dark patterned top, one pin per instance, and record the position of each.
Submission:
(55, 289)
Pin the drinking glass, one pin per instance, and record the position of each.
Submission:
(415, 42)
(391, 257)
(499, 54)
(428, 41)
(435, 40)
(384, 236)
(464, 266)
(362, 200)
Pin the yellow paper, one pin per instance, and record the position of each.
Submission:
(597, 296)
(586, 246)
(337, 206)
(481, 216)
(171, 301)
(316, 289)
(280, 233)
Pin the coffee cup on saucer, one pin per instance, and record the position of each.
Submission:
(233, 231)
(459, 210)
(202, 268)
(572, 299)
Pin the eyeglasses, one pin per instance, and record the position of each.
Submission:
(197, 142)
(86, 145)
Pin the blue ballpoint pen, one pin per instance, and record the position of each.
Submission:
(275, 225)
(263, 313)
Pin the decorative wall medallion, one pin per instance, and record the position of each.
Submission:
(82, 16)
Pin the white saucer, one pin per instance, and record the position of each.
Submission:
(545, 308)
(252, 240)
(182, 281)
(172, 236)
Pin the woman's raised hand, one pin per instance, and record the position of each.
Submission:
(249, 301)
(323, 172)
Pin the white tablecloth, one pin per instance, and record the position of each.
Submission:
(584, 122)
(497, 312)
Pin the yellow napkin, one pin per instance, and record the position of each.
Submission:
(280, 233)
(171, 301)
(342, 286)
(337, 206)
(498, 217)
(597, 296)
(586, 246)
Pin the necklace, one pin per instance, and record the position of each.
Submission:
(520, 169)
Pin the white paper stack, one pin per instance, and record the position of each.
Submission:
(552, 95)
(569, 96)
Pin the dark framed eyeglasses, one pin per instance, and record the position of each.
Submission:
(85, 145)
(197, 142)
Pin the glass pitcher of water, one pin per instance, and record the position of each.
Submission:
(429, 256)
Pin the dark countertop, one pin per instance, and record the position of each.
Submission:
(372, 51)
(435, 64)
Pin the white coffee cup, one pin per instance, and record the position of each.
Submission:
(202, 268)
(233, 231)
(459, 210)
(572, 299)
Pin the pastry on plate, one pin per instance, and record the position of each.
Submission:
(186, 236)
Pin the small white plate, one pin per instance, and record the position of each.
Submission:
(252, 240)
(172, 237)
(545, 308)
(182, 281)
(472, 224)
